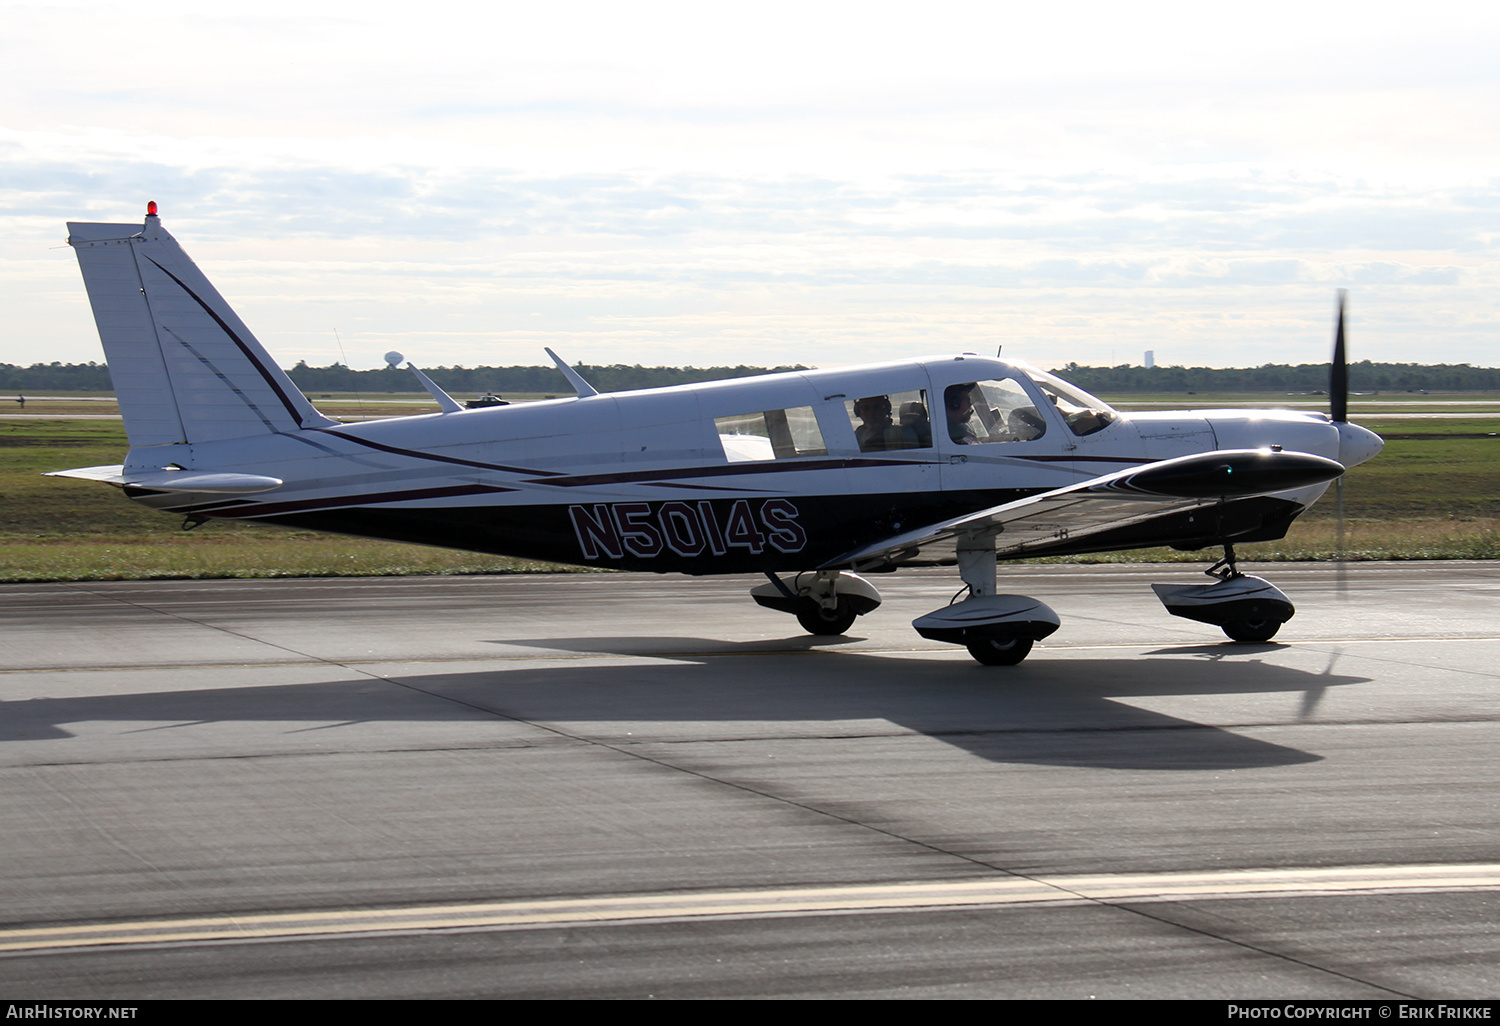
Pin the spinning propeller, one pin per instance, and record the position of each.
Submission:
(1356, 444)
(1338, 412)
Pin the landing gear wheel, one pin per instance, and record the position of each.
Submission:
(995, 652)
(1252, 630)
(818, 620)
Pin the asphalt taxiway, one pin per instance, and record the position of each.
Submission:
(628, 785)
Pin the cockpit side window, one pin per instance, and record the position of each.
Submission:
(1083, 413)
(984, 412)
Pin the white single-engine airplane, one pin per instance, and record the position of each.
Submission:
(810, 478)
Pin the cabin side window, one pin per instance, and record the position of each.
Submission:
(770, 435)
(894, 420)
(980, 412)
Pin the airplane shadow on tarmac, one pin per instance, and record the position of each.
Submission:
(1063, 711)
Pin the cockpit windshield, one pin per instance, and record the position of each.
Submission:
(1083, 413)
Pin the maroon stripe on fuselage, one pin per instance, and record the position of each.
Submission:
(671, 477)
(262, 509)
(728, 470)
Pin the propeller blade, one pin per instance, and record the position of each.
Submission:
(1338, 412)
(1338, 371)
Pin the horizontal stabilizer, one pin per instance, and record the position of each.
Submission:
(193, 481)
(106, 475)
(208, 483)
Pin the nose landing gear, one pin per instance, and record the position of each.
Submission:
(1246, 608)
(824, 603)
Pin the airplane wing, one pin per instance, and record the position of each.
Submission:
(1111, 501)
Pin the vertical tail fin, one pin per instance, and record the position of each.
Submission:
(184, 366)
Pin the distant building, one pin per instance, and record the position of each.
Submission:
(1150, 358)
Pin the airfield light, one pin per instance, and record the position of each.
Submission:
(151, 208)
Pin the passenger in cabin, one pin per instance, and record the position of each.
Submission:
(914, 416)
(960, 406)
(878, 433)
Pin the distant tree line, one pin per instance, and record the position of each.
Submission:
(1364, 376)
(618, 377)
(55, 377)
(615, 377)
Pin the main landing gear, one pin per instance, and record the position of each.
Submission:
(1247, 609)
(998, 630)
(824, 603)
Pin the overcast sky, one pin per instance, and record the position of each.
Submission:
(768, 183)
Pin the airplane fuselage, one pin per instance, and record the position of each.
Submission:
(663, 480)
(959, 459)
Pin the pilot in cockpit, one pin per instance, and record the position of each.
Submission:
(959, 403)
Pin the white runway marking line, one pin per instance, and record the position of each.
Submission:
(1074, 889)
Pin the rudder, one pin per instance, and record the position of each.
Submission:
(184, 366)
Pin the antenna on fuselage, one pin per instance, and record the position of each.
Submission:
(445, 401)
(583, 388)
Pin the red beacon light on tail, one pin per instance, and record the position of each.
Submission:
(151, 208)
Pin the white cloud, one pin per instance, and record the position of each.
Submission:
(813, 182)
